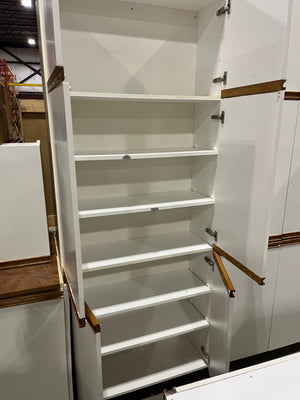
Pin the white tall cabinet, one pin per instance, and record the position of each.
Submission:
(153, 166)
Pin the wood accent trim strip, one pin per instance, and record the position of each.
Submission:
(224, 274)
(52, 221)
(285, 239)
(239, 265)
(33, 298)
(91, 319)
(292, 95)
(81, 321)
(258, 88)
(56, 78)
(25, 262)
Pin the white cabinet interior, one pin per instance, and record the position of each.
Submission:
(136, 134)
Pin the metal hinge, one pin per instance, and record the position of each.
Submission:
(225, 9)
(205, 355)
(220, 79)
(212, 233)
(209, 262)
(220, 117)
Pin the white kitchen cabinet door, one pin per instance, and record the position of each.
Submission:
(67, 206)
(285, 327)
(255, 41)
(244, 176)
(292, 214)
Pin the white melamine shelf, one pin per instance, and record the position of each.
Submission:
(147, 291)
(140, 249)
(144, 154)
(137, 203)
(192, 5)
(135, 329)
(129, 371)
(141, 98)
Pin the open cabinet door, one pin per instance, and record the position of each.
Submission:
(49, 29)
(258, 52)
(245, 171)
(59, 108)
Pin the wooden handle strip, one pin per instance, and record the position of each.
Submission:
(91, 319)
(224, 275)
(239, 265)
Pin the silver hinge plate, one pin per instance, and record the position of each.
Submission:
(210, 262)
(222, 79)
(212, 233)
(225, 9)
(205, 355)
(220, 117)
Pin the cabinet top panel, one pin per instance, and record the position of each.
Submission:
(193, 5)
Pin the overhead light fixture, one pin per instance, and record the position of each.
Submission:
(31, 41)
(26, 3)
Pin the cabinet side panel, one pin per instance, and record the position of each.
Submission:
(245, 176)
(293, 63)
(220, 319)
(87, 361)
(65, 183)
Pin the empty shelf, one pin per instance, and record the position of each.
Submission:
(135, 329)
(140, 249)
(139, 293)
(140, 97)
(136, 203)
(129, 371)
(143, 154)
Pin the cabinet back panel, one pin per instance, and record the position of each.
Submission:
(114, 178)
(119, 227)
(101, 126)
(128, 48)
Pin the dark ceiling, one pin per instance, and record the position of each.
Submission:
(17, 24)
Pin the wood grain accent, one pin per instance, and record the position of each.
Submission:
(56, 78)
(81, 321)
(32, 106)
(25, 262)
(292, 95)
(33, 298)
(258, 88)
(29, 280)
(91, 319)
(285, 239)
(224, 275)
(239, 265)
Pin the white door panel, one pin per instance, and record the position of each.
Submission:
(65, 177)
(292, 214)
(286, 312)
(244, 180)
(255, 41)
(49, 26)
